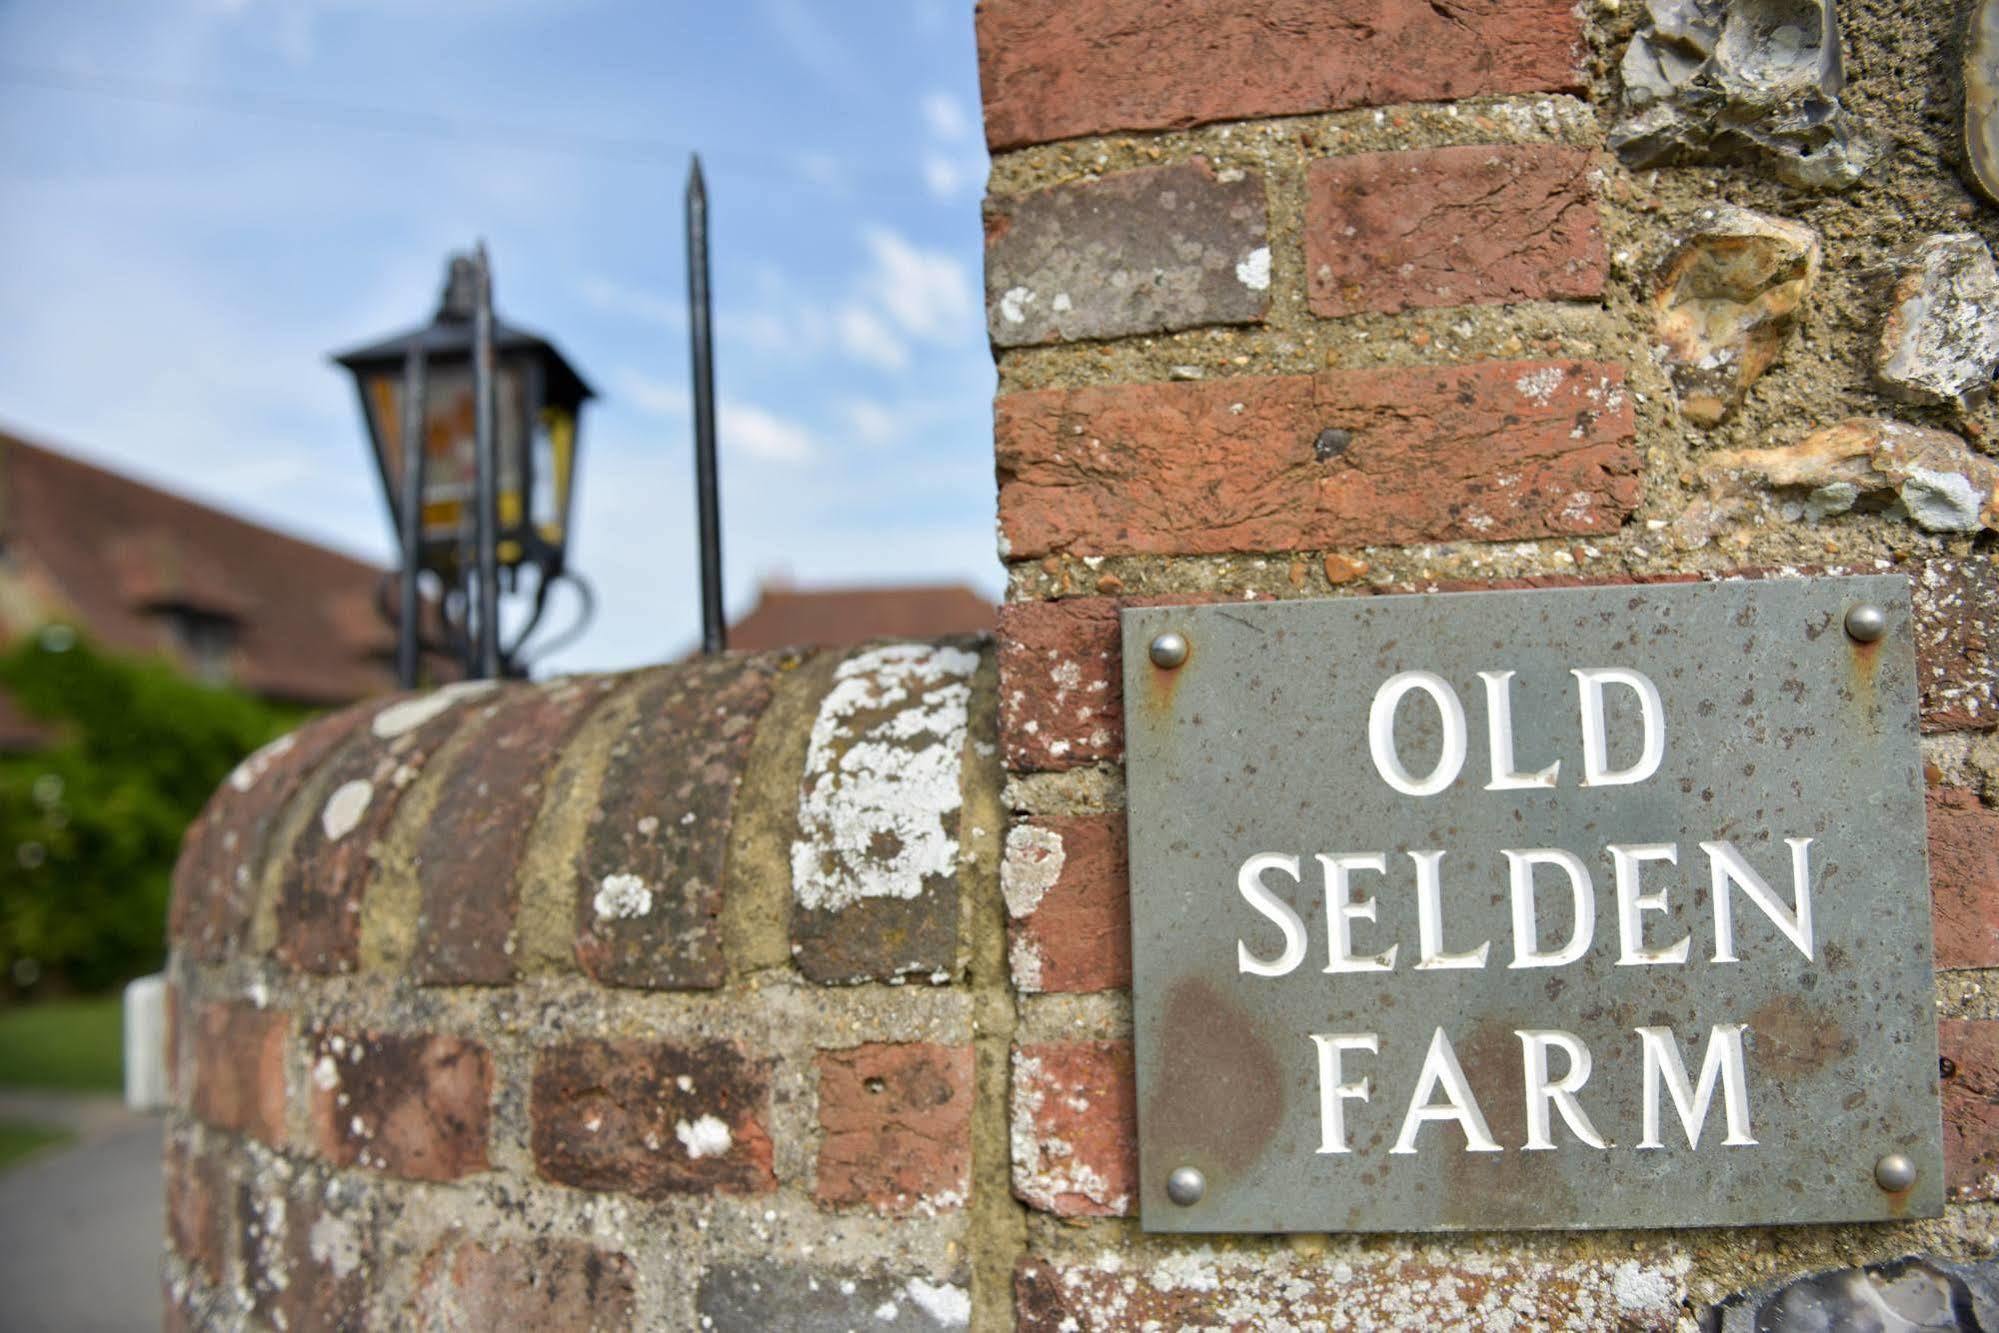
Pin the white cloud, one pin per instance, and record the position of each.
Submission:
(872, 422)
(755, 431)
(867, 338)
(927, 292)
(945, 118)
(942, 175)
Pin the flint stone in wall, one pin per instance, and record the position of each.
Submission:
(1727, 298)
(1754, 81)
(1981, 98)
(1930, 477)
(1940, 340)
(1904, 1295)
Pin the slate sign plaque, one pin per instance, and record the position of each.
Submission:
(1597, 907)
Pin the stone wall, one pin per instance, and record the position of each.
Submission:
(793, 991)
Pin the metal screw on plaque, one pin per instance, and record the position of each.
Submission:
(1866, 622)
(1169, 650)
(1186, 1186)
(1894, 1173)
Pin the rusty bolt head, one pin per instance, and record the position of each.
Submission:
(1866, 622)
(1169, 650)
(1186, 1186)
(1894, 1173)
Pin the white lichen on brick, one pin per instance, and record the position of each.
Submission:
(1031, 867)
(410, 714)
(251, 771)
(950, 1306)
(1253, 271)
(1024, 960)
(1046, 1170)
(706, 1137)
(325, 1074)
(1538, 386)
(882, 776)
(344, 808)
(622, 897)
(334, 1242)
(1013, 304)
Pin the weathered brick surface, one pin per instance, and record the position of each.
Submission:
(545, 1285)
(307, 1252)
(759, 1297)
(1957, 642)
(651, 868)
(197, 1188)
(1964, 878)
(897, 1120)
(1135, 252)
(1488, 451)
(319, 893)
(239, 1069)
(222, 857)
(470, 853)
(1061, 691)
(415, 1106)
(1473, 1288)
(1050, 69)
(1068, 900)
(1969, 1051)
(652, 1119)
(874, 869)
(1475, 225)
(1075, 1128)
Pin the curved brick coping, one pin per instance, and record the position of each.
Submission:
(574, 994)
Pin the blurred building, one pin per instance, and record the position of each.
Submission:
(145, 572)
(788, 617)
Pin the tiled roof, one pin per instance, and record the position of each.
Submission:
(122, 560)
(786, 617)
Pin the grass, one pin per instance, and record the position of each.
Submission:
(18, 1139)
(66, 1045)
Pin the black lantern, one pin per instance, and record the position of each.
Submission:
(535, 407)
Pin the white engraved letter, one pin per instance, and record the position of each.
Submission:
(1526, 927)
(1499, 737)
(1561, 1094)
(1726, 867)
(1440, 1068)
(1631, 904)
(1430, 920)
(1596, 744)
(1249, 883)
(1723, 1061)
(1332, 1092)
(1381, 733)
(1341, 914)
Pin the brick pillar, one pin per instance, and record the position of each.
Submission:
(1338, 298)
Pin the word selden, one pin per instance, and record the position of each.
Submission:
(1441, 1092)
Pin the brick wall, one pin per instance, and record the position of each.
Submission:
(793, 991)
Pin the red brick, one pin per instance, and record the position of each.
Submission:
(1969, 1048)
(524, 1286)
(898, 1127)
(1964, 878)
(1489, 451)
(475, 839)
(331, 860)
(1061, 694)
(222, 857)
(652, 1119)
(239, 1070)
(1053, 69)
(1075, 1128)
(663, 817)
(1358, 1290)
(1068, 898)
(415, 1106)
(196, 1193)
(307, 1253)
(1476, 225)
(1957, 642)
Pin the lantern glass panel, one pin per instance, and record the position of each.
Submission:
(450, 459)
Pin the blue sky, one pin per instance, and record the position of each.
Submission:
(205, 197)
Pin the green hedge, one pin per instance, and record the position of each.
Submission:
(90, 826)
